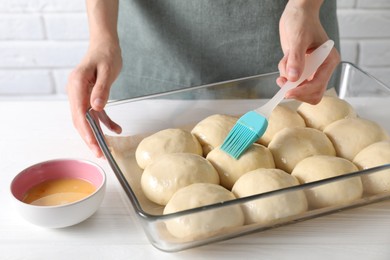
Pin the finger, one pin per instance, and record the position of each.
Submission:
(313, 90)
(85, 131)
(102, 115)
(78, 89)
(295, 62)
(101, 89)
(89, 138)
(282, 66)
(280, 81)
(310, 92)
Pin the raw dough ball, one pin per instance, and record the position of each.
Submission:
(212, 131)
(330, 109)
(166, 141)
(373, 155)
(273, 208)
(281, 117)
(170, 172)
(230, 169)
(291, 145)
(349, 136)
(204, 223)
(322, 167)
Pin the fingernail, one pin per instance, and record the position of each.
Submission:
(292, 73)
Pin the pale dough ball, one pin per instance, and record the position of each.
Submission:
(373, 155)
(329, 109)
(204, 223)
(170, 172)
(212, 131)
(322, 167)
(280, 118)
(273, 208)
(349, 136)
(230, 169)
(291, 145)
(166, 141)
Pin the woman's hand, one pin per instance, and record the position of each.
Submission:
(90, 82)
(301, 32)
(89, 86)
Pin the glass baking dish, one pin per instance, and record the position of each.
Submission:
(143, 116)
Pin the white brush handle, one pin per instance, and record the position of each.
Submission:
(312, 62)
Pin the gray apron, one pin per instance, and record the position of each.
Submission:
(174, 44)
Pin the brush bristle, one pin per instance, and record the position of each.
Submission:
(248, 129)
(239, 139)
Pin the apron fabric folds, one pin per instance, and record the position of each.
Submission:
(174, 44)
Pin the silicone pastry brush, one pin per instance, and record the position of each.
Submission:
(252, 125)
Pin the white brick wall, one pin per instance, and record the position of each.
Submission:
(42, 40)
(365, 35)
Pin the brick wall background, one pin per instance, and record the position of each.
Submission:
(42, 40)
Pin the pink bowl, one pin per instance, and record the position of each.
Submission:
(60, 215)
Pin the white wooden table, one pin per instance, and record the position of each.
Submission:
(35, 131)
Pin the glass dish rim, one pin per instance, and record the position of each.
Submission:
(151, 217)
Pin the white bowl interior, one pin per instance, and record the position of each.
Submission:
(59, 215)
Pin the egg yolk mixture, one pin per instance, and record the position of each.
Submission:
(58, 192)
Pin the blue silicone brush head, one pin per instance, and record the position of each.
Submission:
(247, 130)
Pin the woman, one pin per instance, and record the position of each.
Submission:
(171, 44)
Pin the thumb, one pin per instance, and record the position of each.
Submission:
(295, 63)
(101, 89)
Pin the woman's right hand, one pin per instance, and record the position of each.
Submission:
(301, 32)
(89, 85)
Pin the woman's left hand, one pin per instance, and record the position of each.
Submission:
(300, 32)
